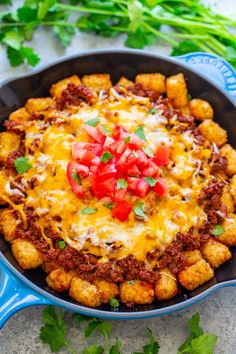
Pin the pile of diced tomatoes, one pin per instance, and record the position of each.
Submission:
(115, 165)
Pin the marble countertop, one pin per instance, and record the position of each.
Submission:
(218, 312)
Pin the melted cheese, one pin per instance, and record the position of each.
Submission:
(55, 203)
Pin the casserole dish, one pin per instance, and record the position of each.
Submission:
(16, 294)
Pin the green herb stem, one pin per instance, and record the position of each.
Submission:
(71, 350)
(89, 10)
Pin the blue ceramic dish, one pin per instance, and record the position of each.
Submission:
(209, 77)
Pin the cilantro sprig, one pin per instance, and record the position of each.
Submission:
(54, 333)
(22, 165)
(196, 27)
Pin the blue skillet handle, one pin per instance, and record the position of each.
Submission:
(15, 295)
(215, 68)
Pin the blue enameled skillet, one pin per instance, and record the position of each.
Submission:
(207, 76)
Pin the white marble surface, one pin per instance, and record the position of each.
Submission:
(218, 313)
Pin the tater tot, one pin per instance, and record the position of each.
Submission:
(8, 224)
(49, 266)
(227, 198)
(20, 115)
(59, 280)
(56, 89)
(192, 257)
(39, 104)
(137, 292)
(213, 132)
(3, 182)
(155, 82)
(195, 275)
(8, 142)
(215, 253)
(166, 287)
(97, 82)
(230, 153)
(125, 82)
(85, 292)
(107, 290)
(26, 254)
(228, 237)
(176, 90)
(232, 188)
(201, 109)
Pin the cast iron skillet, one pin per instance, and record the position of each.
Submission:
(24, 288)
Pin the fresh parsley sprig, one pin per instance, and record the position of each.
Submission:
(196, 27)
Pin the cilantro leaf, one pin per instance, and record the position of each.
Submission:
(121, 183)
(31, 57)
(93, 324)
(105, 328)
(13, 39)
(151, 181)
(185, 47)
(17, 57)
(26, 14)
(105, 130)
(44, 7)
(114, 303)
(108, 206)
(93, 122)
(93, 349)
(130, 282)
(140, 133)
(22, 165)
(64, 34)
(106, 156)
(148, 151)
(152, 347)
(78, 317)
(135, 12)
(152, 111)
(193, 325)
(54, 330)
(115, 349)
(62, 244)
(75, 177)
(138, 209)
(218, 230)
(88, 210)
(139, 39)
(204, 344)
(14, 56)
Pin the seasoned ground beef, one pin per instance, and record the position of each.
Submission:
(73, 95)
(11, 158)
(219, 163)
(138, 90)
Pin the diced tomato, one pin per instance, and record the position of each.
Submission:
(77, 188)
(126, 160)
(118, 147)
(161, 187)
(121, 211)
(135, 142)
(142, 159)
(133, 171)
(87, 158)
(94, 169)
(132, 183)
(119, 132)
(151, 170)
(142, 188)
(107, 171)
(108, 142)
(162, 155)
(119, 195)
(96, 161)
(80, 149)
(80, 169)
(95, 133)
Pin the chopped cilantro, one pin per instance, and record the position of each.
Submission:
(218, 230)
(106, 156)
(62, 244)
(93, 122)
(105, 130)
(127, 139)
(138, 209)
(121, 183)
(130, 282)
(22, 165)
(148, 151)
(88, 210)
(151, 181)
(114, 303)
(140, 133)
(152, 111)
(75, 177)
(108, 206)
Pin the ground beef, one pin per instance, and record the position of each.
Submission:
(73, 95)
(198, 137)
(130, 267)
(139, 90)
(11, 158)
(51, 233)
(188, 120)
(219, 163)
(214, 217)
(148, 275)
(11, 125)
(173, 257)
(210, 196)
(188, 240)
